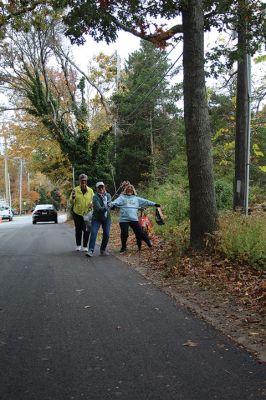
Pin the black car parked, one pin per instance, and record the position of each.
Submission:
(44, 213)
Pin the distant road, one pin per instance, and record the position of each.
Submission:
(25, 220)
(73, 328)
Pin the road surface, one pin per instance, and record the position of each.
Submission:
(73, 328)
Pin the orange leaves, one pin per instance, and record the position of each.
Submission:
(34, 196)
(214, 271)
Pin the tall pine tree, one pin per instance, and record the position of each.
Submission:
(146, 137)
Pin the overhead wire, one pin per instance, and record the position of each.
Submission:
(153, 70)
(153, 88)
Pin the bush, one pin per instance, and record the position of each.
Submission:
(174, 201)
(243, 238)
(224, 195)
(257, 195)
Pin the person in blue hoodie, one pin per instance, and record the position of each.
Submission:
(129, 204)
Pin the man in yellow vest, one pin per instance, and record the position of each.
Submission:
(81, 202)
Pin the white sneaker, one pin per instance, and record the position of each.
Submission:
(78, 248)
(104, 253)
(89, 253)
(84, 248)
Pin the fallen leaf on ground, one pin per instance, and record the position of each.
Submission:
(190, 343)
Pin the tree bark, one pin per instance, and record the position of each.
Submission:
(203, 212)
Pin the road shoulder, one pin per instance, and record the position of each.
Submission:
(221, 309)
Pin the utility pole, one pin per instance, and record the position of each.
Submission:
(6, 171)
(246, 203)
(9, 192)
(242, 139)
(20, 186)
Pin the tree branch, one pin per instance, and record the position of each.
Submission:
(161, 36)
(3, 109)
(228, 80)
(107, 109)
(21, 11)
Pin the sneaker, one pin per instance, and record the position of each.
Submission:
(78, 248)
(104, 253)
(89, 253)
(84, 248)
(122, 250)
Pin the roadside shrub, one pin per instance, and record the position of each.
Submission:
(257, 195)
(243, 238)
(179, 239)
(224, 195)
(174, 201)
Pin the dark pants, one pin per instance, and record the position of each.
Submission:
(140, 235)
(79, 228)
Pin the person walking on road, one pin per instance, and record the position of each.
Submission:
(81, 202)
(129, 204)
(100, 217)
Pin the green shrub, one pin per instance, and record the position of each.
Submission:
(257, 194)
(224, 195)
(243, 238)
(173, 199)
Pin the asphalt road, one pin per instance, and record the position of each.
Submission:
(94, 329)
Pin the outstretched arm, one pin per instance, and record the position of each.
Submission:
(146, 203)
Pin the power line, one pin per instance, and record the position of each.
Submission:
(153, 88)
(153, 70)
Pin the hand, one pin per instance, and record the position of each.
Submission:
(157, 205)
(73, 194)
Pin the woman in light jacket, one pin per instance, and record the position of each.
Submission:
(129, 204)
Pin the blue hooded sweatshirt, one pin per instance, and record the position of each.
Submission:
(129, 206)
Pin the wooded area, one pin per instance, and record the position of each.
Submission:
(135, 128)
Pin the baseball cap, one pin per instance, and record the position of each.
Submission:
(99, 184)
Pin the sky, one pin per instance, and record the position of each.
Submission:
(125, 44)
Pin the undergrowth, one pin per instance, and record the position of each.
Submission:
(239, 238)
(243, 238)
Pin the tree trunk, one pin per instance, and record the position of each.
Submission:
(203, 212)
(242, 108)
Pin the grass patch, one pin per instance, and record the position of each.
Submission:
(243, 238)
(240, 239)
(173, 199)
